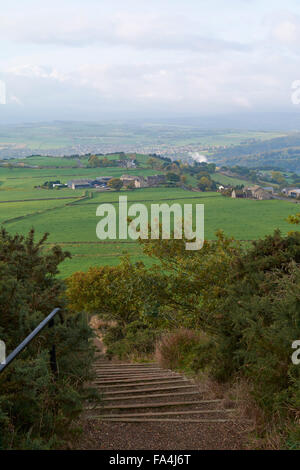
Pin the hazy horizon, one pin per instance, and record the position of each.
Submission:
(265, 122)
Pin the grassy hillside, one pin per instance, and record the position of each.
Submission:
(280, 152)
(72, 221)
(75, 225)
(227, 180)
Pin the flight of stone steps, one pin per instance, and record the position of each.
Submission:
(147, 393)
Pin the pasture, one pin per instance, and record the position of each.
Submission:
(71, 219)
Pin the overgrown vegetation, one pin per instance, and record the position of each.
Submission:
(37, 408)
(241, 303)
(116, 294)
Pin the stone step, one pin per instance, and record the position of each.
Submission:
(162, 420)
(118, 378)
(138, 379)
(137, 374)
(160, 395)
(116, 369)
(151, 405)
(140, 384)
(130, 371)
(146, 390)
(168, 413)
(128, 365)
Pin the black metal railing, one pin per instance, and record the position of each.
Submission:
(49, 320)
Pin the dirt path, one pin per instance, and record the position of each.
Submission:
(146, 407)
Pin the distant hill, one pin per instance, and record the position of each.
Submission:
(280, 152)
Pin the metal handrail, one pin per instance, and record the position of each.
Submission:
(48, 320)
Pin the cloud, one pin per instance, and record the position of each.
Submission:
(36, 71)
(188, 60)
(120, 29)
(206, 87)
(286, 32)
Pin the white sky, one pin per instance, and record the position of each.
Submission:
(93, 59)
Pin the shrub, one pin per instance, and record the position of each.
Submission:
(136, 340)
(247, 301)
(180, 349)
(36, 408)
(261, 319)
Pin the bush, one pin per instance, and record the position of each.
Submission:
(247, 301)
(245, 298)
(261, 319)
(136, 340)
(181, 349)
(36, 408)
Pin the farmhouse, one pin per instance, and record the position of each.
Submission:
(79, 184)
(237, 193)
(100, 181)
(129, 179)
(295, 193)
(257, 192)
(141, 182)
(291, 192)
(138, 181)
(270, 189)
(126, 163)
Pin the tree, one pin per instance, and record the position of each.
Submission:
(113, 293)
(115, 183)
(131, 186)
(173, 177)
(125, 299)
(205, 183)
(152, 162)
(94, 161)
(278, 177)
(211, 168)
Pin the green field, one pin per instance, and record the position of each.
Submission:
(72, 221)
(19, 183)
(63, 162)
(227, 180)
(48, 161)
